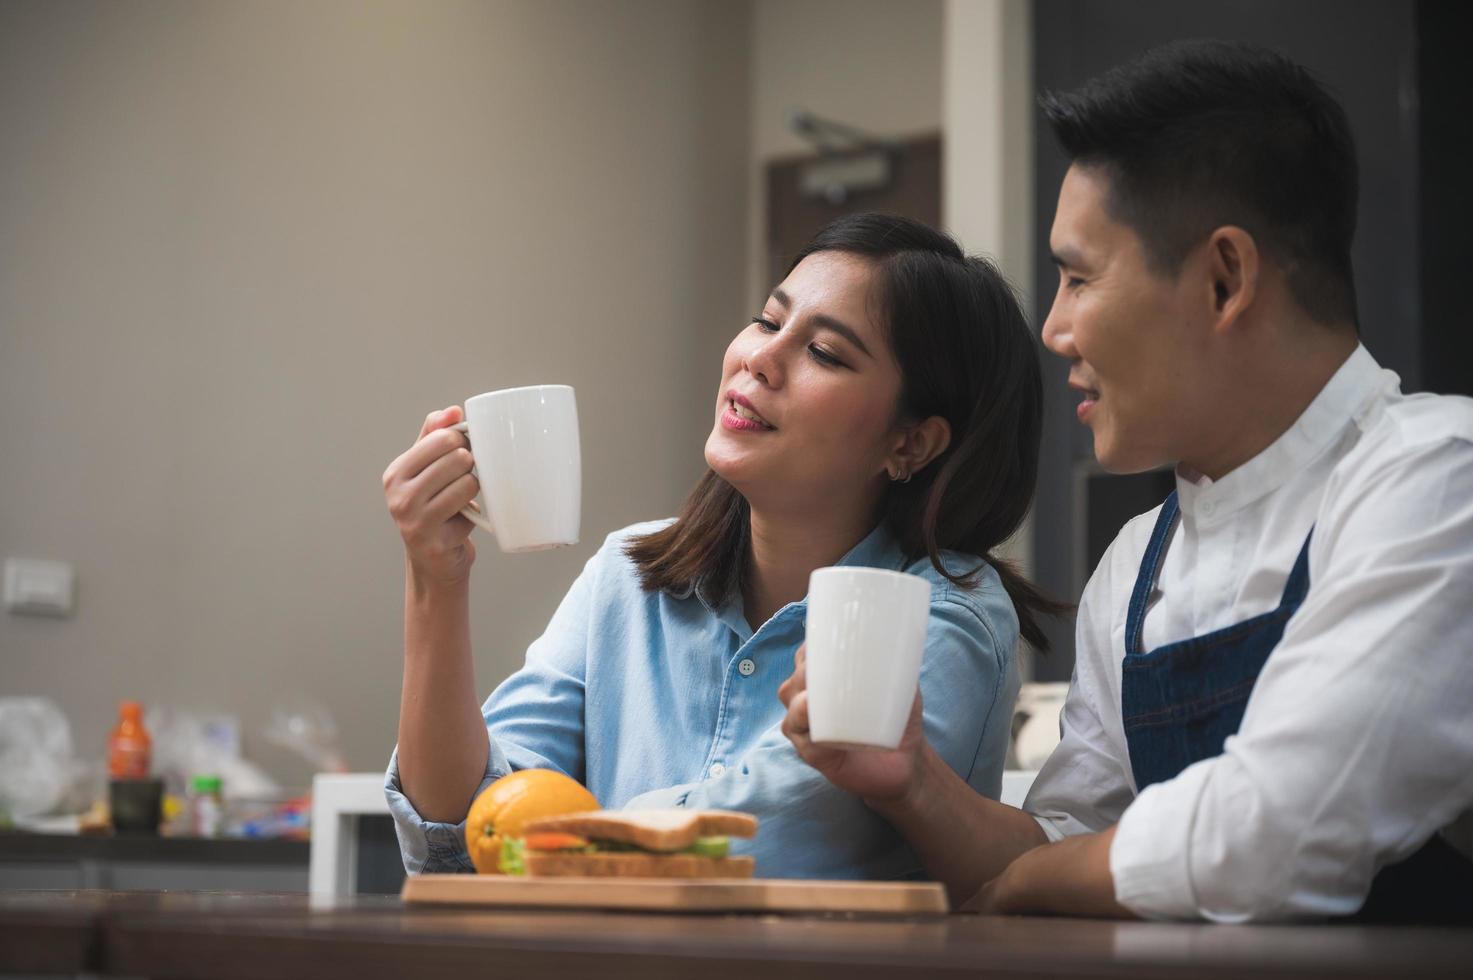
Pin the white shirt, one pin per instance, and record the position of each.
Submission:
(1357, 742)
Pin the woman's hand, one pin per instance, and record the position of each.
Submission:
(877, 775)
(425, 489)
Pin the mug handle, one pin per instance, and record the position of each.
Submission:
(471, 513)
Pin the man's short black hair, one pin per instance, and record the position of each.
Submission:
(1195, 135)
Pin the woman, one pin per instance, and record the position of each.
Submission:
(882, 410)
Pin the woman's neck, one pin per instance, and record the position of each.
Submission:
(785, 549)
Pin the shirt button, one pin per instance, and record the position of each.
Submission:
(1208, 508)
(747, 667)
(717, 771)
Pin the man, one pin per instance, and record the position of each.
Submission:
(1272, 708)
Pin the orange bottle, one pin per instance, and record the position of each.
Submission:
(129, 748)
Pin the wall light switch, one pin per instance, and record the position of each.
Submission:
(39, 588)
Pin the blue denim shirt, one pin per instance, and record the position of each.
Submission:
(643, 697)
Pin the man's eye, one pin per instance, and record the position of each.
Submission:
(767, 325)
(1073, 282)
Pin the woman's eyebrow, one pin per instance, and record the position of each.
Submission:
(824, 320)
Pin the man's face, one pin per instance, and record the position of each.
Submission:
(1134, 338)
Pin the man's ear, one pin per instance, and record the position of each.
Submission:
(1233, 269)
(918, 445)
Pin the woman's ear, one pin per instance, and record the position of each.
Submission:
(918, 445)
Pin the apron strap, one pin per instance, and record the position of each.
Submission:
(1145, 581)
(1297, 586)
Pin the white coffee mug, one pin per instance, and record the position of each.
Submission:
(866, 635)
(525, 444)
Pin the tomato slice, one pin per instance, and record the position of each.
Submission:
(555, 841)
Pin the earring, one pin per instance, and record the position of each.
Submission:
(901, 475)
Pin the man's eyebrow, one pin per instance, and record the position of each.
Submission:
(824, 320)
(1065, 257)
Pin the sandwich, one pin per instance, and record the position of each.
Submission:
(672, 843)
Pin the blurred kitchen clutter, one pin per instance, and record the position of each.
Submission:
(169, 770)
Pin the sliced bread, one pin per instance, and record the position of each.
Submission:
(632, 864)
(671, 829)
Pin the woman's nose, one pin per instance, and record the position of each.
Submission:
(764, 362)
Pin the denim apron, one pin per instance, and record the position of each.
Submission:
(1181, 701)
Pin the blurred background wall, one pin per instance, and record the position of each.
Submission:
(246, 247)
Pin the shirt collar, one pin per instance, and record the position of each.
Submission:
(878, 549)
(1340, 402)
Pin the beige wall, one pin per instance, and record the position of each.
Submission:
(987, 96)
(988, 171)
(875, 64)
(245, 247)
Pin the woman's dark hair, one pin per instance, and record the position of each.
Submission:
(1195, 135)
(965, 353)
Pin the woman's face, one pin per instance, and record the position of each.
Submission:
(806, 411)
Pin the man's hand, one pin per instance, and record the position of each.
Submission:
(877, 775)
(1069, 877)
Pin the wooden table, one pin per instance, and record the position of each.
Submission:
(226, 936)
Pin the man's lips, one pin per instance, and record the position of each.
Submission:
(1087, 404)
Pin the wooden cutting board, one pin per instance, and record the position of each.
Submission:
(678, 894)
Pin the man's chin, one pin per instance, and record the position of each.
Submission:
(1123, 460)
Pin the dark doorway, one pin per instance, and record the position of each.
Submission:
(798, 207)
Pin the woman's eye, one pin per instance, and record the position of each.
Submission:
(1073, 282)
(766, 325)
(823, 356)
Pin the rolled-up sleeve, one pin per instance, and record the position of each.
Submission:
(534, 720)
(1085, 785)
(1355, 747)
(428, 846)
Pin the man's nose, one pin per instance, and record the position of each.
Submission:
(1057, 336)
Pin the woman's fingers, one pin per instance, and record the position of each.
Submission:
(427, 446)
(795, 725)
(449, 502)
(797, 719)
(414, 478)
(425, 488)
(440, 419)
(418, 457)
(797, 681)
(440, 474)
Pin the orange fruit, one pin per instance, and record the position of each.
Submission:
(511, 802)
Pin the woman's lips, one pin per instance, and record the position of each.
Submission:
(731, 420)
